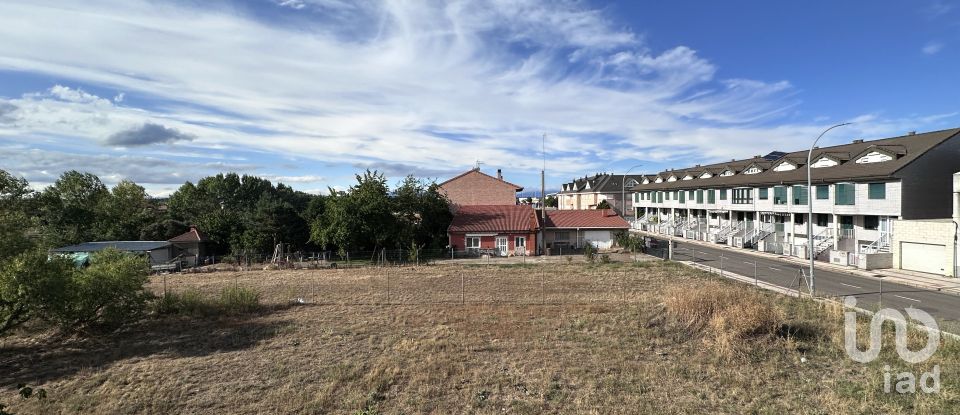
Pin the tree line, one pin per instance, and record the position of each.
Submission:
(241, 214)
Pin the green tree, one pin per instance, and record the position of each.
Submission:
(71, 208)
(422, 212)
(551, 201)
(127, 211)
(603, 205)
(361, 218)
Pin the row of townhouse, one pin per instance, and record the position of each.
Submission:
(859, 190)
(589, 191)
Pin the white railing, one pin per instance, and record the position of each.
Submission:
(882, 244)
(847, 233)
(822, 241)
(759, 233)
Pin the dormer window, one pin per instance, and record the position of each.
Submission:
(672, 178)
(630, 183)
(587, 186)
(706, 175)
(726, 173)
(646, 180)
(688, 177)
(752, 170)
(824, 161)
(874, 157)
(784, 166)
(659, 180)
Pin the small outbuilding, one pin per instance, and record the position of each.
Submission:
(575, 228)
(191, 246)
(159, 252)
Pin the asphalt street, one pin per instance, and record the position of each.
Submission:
(867, 290)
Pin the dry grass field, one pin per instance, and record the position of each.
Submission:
(652, 337)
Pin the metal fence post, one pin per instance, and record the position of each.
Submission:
(388, 286)
(462, 300)
(756, 275)
(881, 292)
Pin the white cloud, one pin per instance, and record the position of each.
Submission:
(421, 84)
(932, 48)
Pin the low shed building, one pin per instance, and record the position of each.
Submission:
(501, 230)
(159, 252)
(191, 246)
(575, 228)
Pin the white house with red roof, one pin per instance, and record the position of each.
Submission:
(575, 228)
(497, 230)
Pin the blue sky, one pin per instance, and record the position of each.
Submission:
(308, 92)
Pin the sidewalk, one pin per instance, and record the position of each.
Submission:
(911, 278)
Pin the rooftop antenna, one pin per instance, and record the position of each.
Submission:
(478, 164)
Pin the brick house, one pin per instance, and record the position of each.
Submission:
(475, 188)
(497, 230)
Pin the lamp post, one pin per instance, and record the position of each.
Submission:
(810, 207)
(623, 192)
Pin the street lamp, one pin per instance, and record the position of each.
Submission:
(623, 199)
(810, 207)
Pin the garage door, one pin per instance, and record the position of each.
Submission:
(599, 239)
(923, 257)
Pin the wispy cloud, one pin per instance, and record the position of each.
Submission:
(932, 48)
(409, 87)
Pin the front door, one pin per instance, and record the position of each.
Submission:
(501, 246)
(520, 245)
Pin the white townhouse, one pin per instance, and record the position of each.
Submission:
(761, 203)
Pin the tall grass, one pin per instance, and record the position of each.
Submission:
(233, 300)
(727, 314)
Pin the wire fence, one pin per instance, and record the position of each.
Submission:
(450, 283)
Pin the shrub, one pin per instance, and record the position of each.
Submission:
(190, 302)
(729, 314)
(589, 252)
(605, 259)
(236, 299)
(108, 293)
(31, 285)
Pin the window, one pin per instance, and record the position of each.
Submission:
(682, 196)
(763, 193)
(742, 196)
(871, 223)
(700, 196)
(668, 195)
(690, 194)
(798, 219)
(473, 242)
(519, 242)
(780, 195)
(844, 194)
(723, 194)
(877, 191)
(823, 219)
(562, 236)
(823, 192)
(711, 196)
(799, 195)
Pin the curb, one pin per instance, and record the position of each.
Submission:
(905, 280)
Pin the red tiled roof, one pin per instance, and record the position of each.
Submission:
(193, 235)
(604, 218)
(490, 218)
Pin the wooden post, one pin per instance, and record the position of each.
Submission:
(388, 286)
(462, 299)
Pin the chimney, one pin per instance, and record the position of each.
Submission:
(499, 174)
(858, 141)
(911, 133)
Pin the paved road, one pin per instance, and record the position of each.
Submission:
(945, 307)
